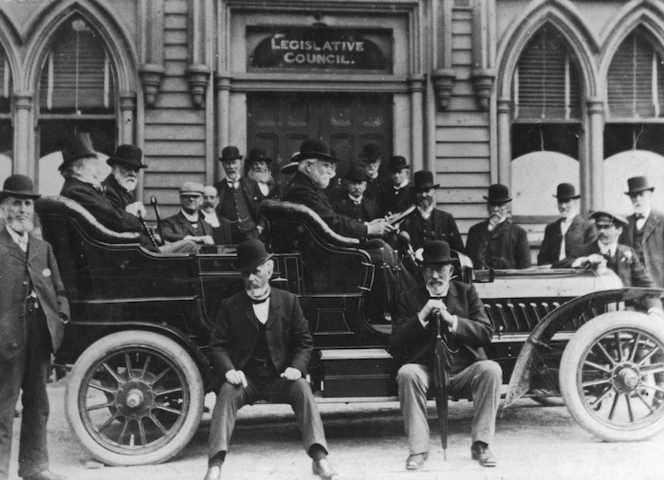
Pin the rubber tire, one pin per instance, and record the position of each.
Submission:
(127, 339)
(577, 348)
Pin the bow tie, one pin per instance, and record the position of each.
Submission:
(233, 184)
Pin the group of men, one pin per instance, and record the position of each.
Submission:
(261, 346)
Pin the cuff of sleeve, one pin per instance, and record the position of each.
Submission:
(455, 324)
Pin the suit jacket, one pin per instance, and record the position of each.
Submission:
(302, 190)
(395, 201)
(177, 227)
(366, 211)
(236, 331)
(221, 234)
(16, 275)
(252, 195)
(440, 226)
(410, 342)
(652, 244)
(505, 248)
(579, 233)
(118, 196)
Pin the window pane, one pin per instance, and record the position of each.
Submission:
(5, 85)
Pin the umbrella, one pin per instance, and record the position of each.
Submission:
(441, 380)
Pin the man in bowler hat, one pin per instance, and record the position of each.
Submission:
(239, 197)
(370, 160)
(427, 222)
(355, 204)
(397, 192)
(644, 231)
(467, 330)
(564, 237)
(33, 314)
(121, 183)
(261, 347)
(497, 242)
(257, 168)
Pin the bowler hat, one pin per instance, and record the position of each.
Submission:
(423, 180)
(250, 254)
(566, 191)
(498, 193)
(604, 217)
(356, 174)
(370, 152)
(18, 186)
(230, 153)
(436, 252)
(192, 188)
(397, 163)
(257, 155)
(79, 146)
(129, 156)
(314, 148)
(638, 184)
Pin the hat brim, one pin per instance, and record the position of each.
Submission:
(398, 169)
(572, 197)
(440, 261)
(639, 190)
(112, 160)
(247, 266)
(298, 157)
(230, 159)
(497, 200)
(426, 187)
(11, 193)
(266, 160)
(190, 192)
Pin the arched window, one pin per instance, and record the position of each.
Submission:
(6, 128)
(76, 92)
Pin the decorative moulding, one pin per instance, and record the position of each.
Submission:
(198, 77)
(443, 81)
(151, 75)
(483, 81)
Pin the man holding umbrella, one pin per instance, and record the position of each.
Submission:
(465, 329)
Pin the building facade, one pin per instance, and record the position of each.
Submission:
(529, 93)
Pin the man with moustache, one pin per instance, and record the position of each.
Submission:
(564, 237)
(261, 346)
(238, 198)
(355, 203)
(370, 160)
(427, 222)
(466, 330)
(188, 223)
(33, 314)
(497, 242)
(644, 231)
(221, 229)
(121, 183)
(397, 193)
(256, 167)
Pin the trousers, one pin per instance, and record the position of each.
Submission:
(27, 371)
(481, 380)
(297, 393)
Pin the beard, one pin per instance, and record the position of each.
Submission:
(424, 202)
(438, 288)
(20, 225)
(261, 177)
(128, 183)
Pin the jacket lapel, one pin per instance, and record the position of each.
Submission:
(34, 249)
(650, 225)
(274, 311)
(245, 305)
(187, 225)
(12, 246)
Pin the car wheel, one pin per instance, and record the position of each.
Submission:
(612, 376)
(134, 398)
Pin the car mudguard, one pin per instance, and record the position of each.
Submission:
(537, 343)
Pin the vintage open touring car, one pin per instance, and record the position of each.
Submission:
(141, 321)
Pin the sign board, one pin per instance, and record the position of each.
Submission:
(319, 48)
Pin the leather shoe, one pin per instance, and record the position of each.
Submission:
(416, 461)
(213, 473)
(45, 475)
(324, 470)
(480, 452)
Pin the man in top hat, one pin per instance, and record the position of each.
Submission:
(256, 167)
(564, 237)
(188, 223)
(238, 197)
(607, 252)
(261, 347)
(370, 160)
(81, 169)
(467, 330)
(427, 222)
(315, 168)
(497, 242)
(355, 204)
(644, 231)
(121, 183)
(397, 193)
(221, 229)
(32, 320)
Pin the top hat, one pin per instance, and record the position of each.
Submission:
(250, 254)
(192, 188)
(314, 148)
(397, 163)
(423, 180)
(498, 193)
(436, 252)
(18, 186)
(637, 184)
(129, 156)
(371, 153)
(79, 146)
(604, 217)
(566, 191)
(230, 153)
(356, 174)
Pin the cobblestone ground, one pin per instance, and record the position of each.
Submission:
(367, 442)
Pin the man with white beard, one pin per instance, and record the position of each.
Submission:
(256, 168)
(123, 179)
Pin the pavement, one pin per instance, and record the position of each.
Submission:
(367, 442)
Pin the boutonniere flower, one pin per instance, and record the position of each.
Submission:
(627, 257)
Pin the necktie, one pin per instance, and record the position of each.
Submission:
(23, 243)
(232, 184)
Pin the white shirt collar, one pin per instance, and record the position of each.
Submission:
(355, 199)
(610, 249)
(192, 218)
(17, 237)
